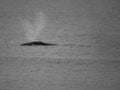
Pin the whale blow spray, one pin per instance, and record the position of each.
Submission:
(34, 29)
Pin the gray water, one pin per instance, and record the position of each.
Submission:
(58, 74)
(88, 54)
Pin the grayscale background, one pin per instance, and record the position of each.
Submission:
(88, 55)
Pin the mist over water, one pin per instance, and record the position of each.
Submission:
(35, 28)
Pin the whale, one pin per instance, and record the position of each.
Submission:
(37, 43)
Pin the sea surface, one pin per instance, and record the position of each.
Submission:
(87, 56)
(58, 74)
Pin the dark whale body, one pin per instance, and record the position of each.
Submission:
(37, 43)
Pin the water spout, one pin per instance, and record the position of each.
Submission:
(34, 29)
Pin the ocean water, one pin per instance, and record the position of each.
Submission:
(17, 73)
(88, 54)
